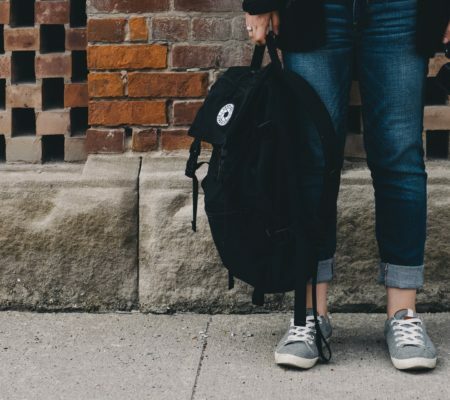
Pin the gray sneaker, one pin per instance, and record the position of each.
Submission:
(409, 345)
(297, 347)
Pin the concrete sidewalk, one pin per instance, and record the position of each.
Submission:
(87, 356)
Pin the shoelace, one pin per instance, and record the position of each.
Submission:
(408, 332)
(302, 333)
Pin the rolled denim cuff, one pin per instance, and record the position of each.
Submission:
(401, 276)
(325, 270)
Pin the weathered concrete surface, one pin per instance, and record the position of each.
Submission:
(238, 362)
(99, 356)
(181, 270)
(119, 356)
(68, 235)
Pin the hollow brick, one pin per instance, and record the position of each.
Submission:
(52, 122)
(52, 12)
(76, 39)
(21, 39)
(24, 95)
(76, 95)
(53, 65)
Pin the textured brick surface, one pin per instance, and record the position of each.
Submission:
(43, 69)
(105, 141)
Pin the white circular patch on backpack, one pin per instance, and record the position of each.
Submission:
(225, 114)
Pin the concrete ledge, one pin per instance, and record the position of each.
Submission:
(181, 270)
(68, 235)
(116, 235)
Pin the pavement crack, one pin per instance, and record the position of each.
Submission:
(202, 355)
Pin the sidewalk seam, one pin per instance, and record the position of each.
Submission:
(202, 355)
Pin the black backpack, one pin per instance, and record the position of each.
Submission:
(263, 224)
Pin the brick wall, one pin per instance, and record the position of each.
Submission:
(43, 73)
(150, 65)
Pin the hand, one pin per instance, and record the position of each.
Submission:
(446, 37)
(260, 25)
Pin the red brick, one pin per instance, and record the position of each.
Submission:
(105, 141)
(175, 139)
(130, 6)
(144, 140)
(131, 57)
(184, 112)
(211, 28)
(201, 56)
(21, 39)
(106, 84)
(112, 113)
(4, 12)
(208, 5)
(5, 66)
(76, 39)
(106, 30)
(76, 95)
(52, 12)
(174, 29)
(53, 65)
(169, 84)
(138, 29)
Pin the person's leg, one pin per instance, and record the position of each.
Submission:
(329, 71)
(392, 81)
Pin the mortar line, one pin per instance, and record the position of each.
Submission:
(200, 361)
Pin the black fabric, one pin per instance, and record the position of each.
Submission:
(302, 23)
(263, 228)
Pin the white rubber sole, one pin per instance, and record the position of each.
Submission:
(414, 363)
(295, 361)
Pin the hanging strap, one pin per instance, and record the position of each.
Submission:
(191, 166)
(320, 338)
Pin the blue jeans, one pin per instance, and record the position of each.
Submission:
(392, 75)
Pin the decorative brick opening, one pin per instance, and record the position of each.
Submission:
(433, 94)
(437, 144)
(52, 93)
(2, 148)
(79, 66)
(78, 121)
(44, 74)
(53, 38)
(21, 13)
(78, 17)
(2, 94)
(23, 122)
(53, 148)
(2, 39)
(22, 67)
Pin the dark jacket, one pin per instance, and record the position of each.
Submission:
(302, 23)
